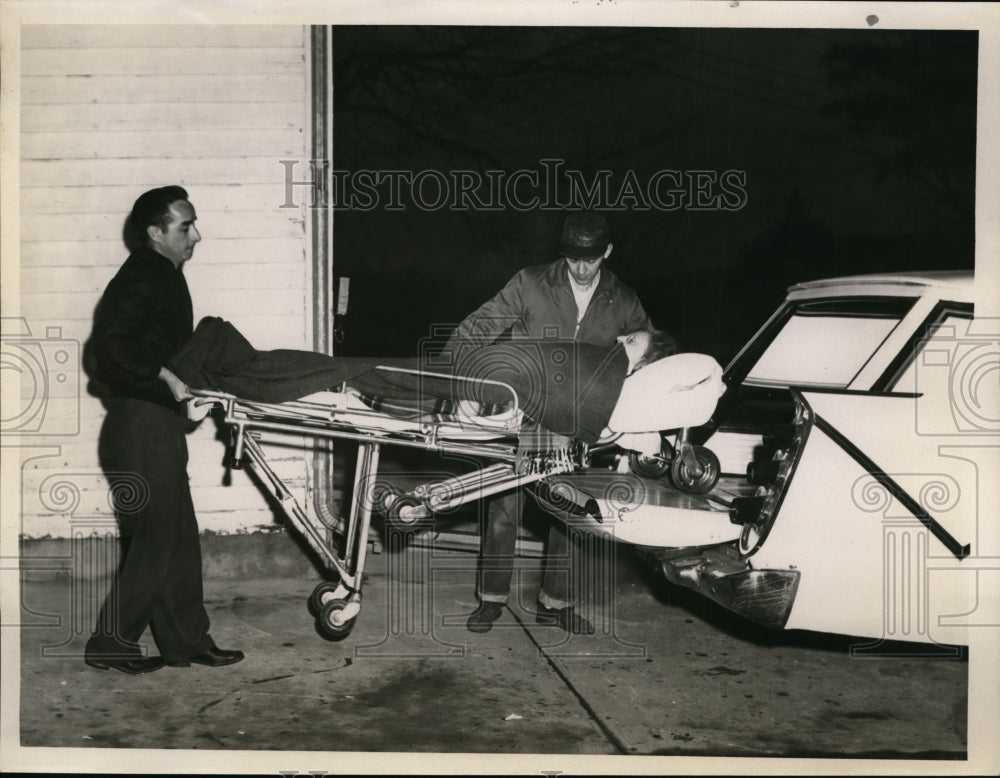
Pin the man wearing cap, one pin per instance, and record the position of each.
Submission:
(577, 299)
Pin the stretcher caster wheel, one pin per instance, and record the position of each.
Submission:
(330, 622)
(321, 595)
(699, 479)
(408, 514)
(648, 467)
(384, 495)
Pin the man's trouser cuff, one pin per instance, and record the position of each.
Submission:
(553, 602)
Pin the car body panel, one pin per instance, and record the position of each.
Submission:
(861, 408)
(634, 510)
(861, 552)
(883, 429)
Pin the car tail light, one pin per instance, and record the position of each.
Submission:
(721, 574)
(762, 596)
(771, 476)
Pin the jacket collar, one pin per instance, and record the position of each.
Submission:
(146, 254)
(559, 276)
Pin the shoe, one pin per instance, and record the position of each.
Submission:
(565, 618)
(482, 618)
(214, 657)
(137, 666)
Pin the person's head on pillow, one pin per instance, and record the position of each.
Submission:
(646, 346)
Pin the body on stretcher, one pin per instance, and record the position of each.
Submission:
(652, 399)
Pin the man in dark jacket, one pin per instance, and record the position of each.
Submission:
(576, 299)
(142, 319)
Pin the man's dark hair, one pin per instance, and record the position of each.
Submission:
(661, 344)
(151, 208)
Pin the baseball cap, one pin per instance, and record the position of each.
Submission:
(585, 235)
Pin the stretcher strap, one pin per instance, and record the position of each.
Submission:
(542, 451)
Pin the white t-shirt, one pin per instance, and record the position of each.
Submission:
(583, 297)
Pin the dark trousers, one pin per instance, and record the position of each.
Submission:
(143, 451)
(497, 555)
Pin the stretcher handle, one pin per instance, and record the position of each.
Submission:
(202, 397)
(449, 377)
(212, 394)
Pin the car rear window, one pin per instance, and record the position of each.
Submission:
(825, 343)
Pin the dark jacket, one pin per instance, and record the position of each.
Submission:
(143, 319)
(538, 303)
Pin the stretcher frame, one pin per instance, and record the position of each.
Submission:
(336, 602)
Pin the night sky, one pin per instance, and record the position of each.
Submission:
(779, 156)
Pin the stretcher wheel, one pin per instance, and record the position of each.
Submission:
(408, 514)
(321, 595)
(648, 467)
(700, 480)
(329, 623)
(383, 495)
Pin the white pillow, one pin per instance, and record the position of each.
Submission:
(671, 393)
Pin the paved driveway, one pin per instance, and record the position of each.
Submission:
(667, 674)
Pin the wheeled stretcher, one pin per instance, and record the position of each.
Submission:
(515, 452)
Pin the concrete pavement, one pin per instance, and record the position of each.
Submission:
(667, 675)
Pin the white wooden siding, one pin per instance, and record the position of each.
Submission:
(108, 112)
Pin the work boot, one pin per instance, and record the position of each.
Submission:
(566, 619)
(482, 618)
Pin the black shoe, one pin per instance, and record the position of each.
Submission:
(565, 618)
(214, 657)
(482, 618)
(137, 666)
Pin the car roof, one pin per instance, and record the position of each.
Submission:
(948, 284)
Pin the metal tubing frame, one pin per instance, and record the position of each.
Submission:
(491, 473)
(449, 377)
(475, 485)
(686, 453)
(361, 509)
(350, 567)
(240, 419)
(299, 517)
(477, 493)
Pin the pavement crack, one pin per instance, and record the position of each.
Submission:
(613, 737)
(275, 678)
(347, 663)
(205, 707)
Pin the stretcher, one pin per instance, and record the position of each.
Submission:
(514, 452)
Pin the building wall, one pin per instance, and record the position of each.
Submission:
(106, 113)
